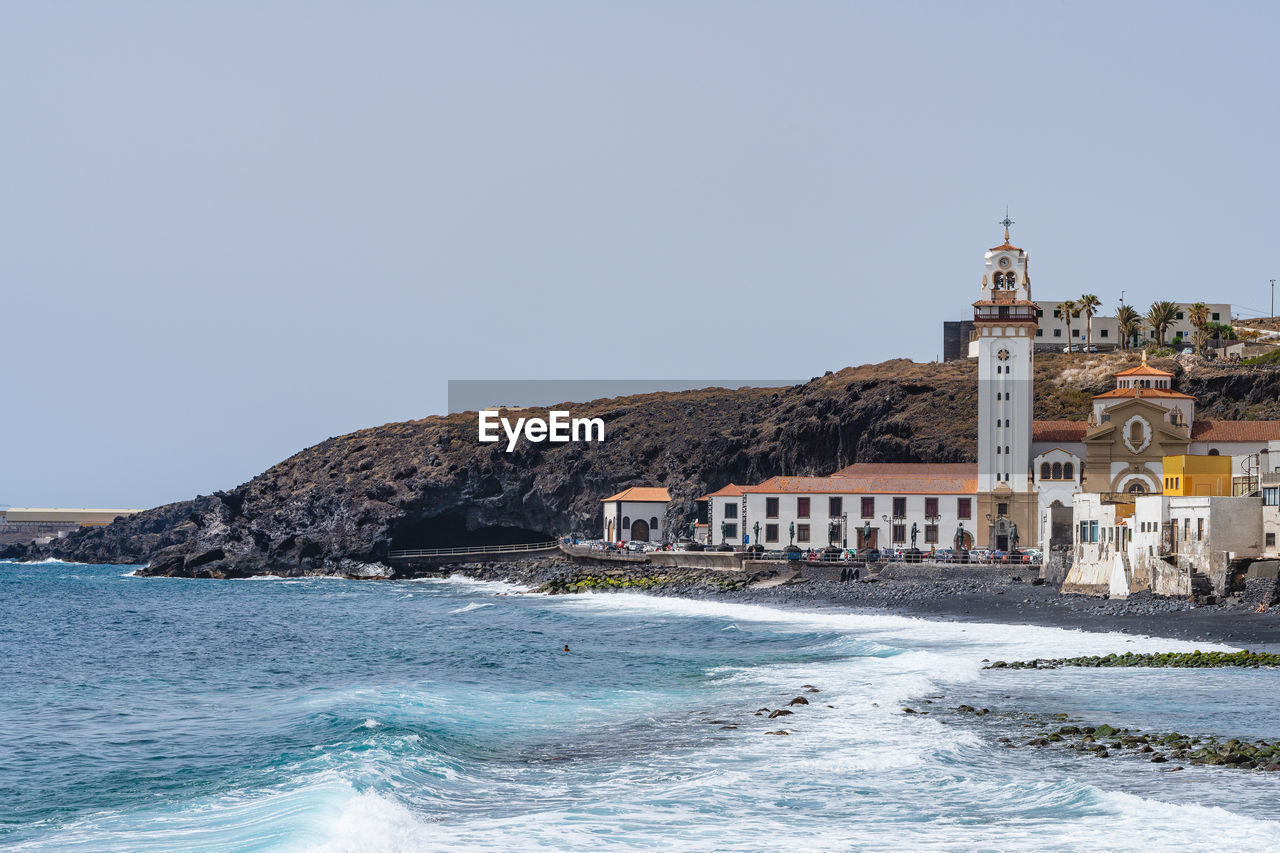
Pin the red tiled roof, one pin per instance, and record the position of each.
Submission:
(1144, 370)
(908, 469)
(1144, 392)
(729, 491)
(644, 494)
(1059, 430)
(1210, 430)
(938, 485)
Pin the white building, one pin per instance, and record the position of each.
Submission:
(723, 514)
(637, 514)
(1105, 329)
(865, 506)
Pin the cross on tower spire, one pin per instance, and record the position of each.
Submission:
(1006, 222)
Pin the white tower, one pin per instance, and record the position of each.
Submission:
(1004, 321)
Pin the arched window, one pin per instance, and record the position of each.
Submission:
(997, 449)
(626, 522)
(1057, 470)
(653, 524)
(1214, 452)
(1068, 471)
(1135, 433)
(1136, 488)
(1045, 471)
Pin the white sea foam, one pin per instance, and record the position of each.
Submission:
(475, 605)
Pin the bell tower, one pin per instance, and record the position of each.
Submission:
(1004, 321)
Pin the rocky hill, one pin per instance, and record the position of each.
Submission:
(340, 506)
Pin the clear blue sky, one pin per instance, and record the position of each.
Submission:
(231, 230)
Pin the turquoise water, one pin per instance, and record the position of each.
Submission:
(164, 714)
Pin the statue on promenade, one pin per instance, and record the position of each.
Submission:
(915, 531)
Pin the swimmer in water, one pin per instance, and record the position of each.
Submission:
(566, 648)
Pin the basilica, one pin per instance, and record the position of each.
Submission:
(1021, 491)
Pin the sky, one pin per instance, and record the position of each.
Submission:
(231, 230)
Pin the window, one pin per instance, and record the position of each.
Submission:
(1137, 488)
(1057, 313)
(771, 533)
(731, 531)
(1213, 451)
(1039, 333)
(1215, 319)
(997, 449)
(1179, 315)
(930, 507)
(1135, 433)
(899, 508)
(731, 510)
(1186, 528)
(1093, 531)
(1271, 540)
(802, 507)
(1068, 471)
(626, 522)
(1057, 470)
(1040, 313)
(1002, 509)
(771, 510)
(1057, 333)
(1075, 333)
(1271, 496)
(931, 534)
(899, 533)
(653, 524)
(802, 533)
(1199, 529)
(964, 508)
(1104, 333)
(835, 507)
(868, 507)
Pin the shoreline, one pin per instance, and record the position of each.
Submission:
(985, 597)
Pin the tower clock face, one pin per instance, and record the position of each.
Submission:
(1004, 263)
(1003, 355)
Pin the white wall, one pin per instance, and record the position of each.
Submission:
(852, 503)
(630, 511)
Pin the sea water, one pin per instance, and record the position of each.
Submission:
(311, 714)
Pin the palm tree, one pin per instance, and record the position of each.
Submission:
(1160, 317)
(1198, 313)
(1066, 309)
(1130, 323)
(1089, 305)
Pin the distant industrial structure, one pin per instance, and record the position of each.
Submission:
(24, 525)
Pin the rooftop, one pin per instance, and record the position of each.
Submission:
(921, 484)
(729, 491)
(643, 494)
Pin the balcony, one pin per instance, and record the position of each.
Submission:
(1004, 314)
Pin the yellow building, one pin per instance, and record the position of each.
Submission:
(1202, 476)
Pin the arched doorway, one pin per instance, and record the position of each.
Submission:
(639, 531)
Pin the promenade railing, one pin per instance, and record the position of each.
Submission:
(477, 549)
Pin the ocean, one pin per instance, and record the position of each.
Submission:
(315, 714)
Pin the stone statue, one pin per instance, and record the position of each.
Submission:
(724, 531)
(1013, 537)
(791, 534)
(866, 534)
(960, 536)
(757, 530)
(915, 531)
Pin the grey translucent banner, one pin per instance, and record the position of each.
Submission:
(471, 395)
